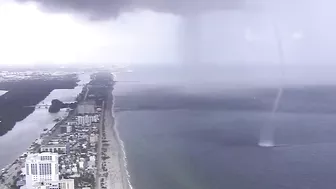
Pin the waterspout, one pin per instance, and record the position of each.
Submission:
(267, 132)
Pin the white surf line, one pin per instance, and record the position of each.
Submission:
(121, 143)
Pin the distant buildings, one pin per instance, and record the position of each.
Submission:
(87, 119)
(66, 128)
(42, 169)
(55, 148)
(67, 150)
(87, 107)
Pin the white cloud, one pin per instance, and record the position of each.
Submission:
(29, 36)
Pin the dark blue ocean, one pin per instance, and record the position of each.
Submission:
(205, 137)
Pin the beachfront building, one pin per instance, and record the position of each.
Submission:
(42, 169)
(87, 119)
(56, 148)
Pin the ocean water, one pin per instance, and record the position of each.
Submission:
(218, 149)
(172, 142)
(16, 141)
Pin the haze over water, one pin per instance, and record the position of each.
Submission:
(174, 140)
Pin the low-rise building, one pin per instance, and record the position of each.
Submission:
(66, 128)
(61, 184)
(93, 138)
(67, 184)
(56, 148)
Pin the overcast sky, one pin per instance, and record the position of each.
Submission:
(32, 32)
(29, 35)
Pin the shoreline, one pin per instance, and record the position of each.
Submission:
(116, 165)
(125, 172)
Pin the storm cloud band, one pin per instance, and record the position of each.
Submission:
(104, 9)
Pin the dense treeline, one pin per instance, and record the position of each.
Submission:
(57, 105)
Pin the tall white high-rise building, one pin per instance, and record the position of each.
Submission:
(42, 169)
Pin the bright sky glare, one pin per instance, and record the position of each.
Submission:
(29, 36)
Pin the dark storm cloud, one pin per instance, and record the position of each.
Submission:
(96, 9)
(101, 9)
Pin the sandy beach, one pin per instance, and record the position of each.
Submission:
(113, 173)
